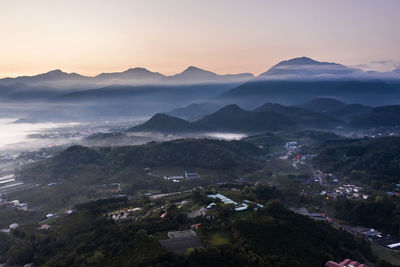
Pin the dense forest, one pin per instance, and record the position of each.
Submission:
(368, 160)
(272, 236)
(382, 213)
(105, 162)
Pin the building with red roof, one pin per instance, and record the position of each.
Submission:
(345, 263)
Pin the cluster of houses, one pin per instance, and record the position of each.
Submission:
(122, 214)
(209, 212)
(189, 174)
(293, 152)
(348, 191)
(385, 240)
(376, 132)
(351, 191)
(13, 204)
(43, 224)
(292, 146)
(238, 207)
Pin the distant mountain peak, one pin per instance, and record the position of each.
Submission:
(56, 71)
(299, 61)
(162, 122)
(161, 116)
(196, 70)
(144, 71)
(306, 67)
(58, 74)
(138, 73)
(193, 68)
(324, 104)
(137, 69)
(194, 74)
(233, 118)
(231, 107)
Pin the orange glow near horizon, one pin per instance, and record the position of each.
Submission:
(228, 36)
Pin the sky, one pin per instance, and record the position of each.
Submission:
(224, 36)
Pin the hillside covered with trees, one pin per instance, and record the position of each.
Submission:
(366, 159)
(272, 236)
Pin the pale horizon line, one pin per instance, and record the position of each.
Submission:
(361, 66)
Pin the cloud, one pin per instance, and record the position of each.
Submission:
(361, 66)
(382, 62)
(379, 65)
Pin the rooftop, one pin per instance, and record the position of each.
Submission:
(181, 241)
(223, 198)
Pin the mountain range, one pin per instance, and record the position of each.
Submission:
(194, 111)
(368, 92)
(232, 118)
(49, 78)
(133, 76)
(272, 117)
(306, 68)
(167, 124)
(386, 116)
(140, 92)
(302, 68)
(301, 79)
(336, 108)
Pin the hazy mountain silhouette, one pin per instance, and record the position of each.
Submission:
(387, 116)
(12, 88)
(195, 111)
(165, 124)
(152, 93)
(124, 101)
(230, 118)
(140, 92)
(304, 67)
(336, 108)
(50, 77)
(304, 117)
(324, 104)
(350, 111)
(300, 79)
(233, 118)
(131, 74)
(196, 75)
(255, 93)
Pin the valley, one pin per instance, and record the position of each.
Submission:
(208, 179)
